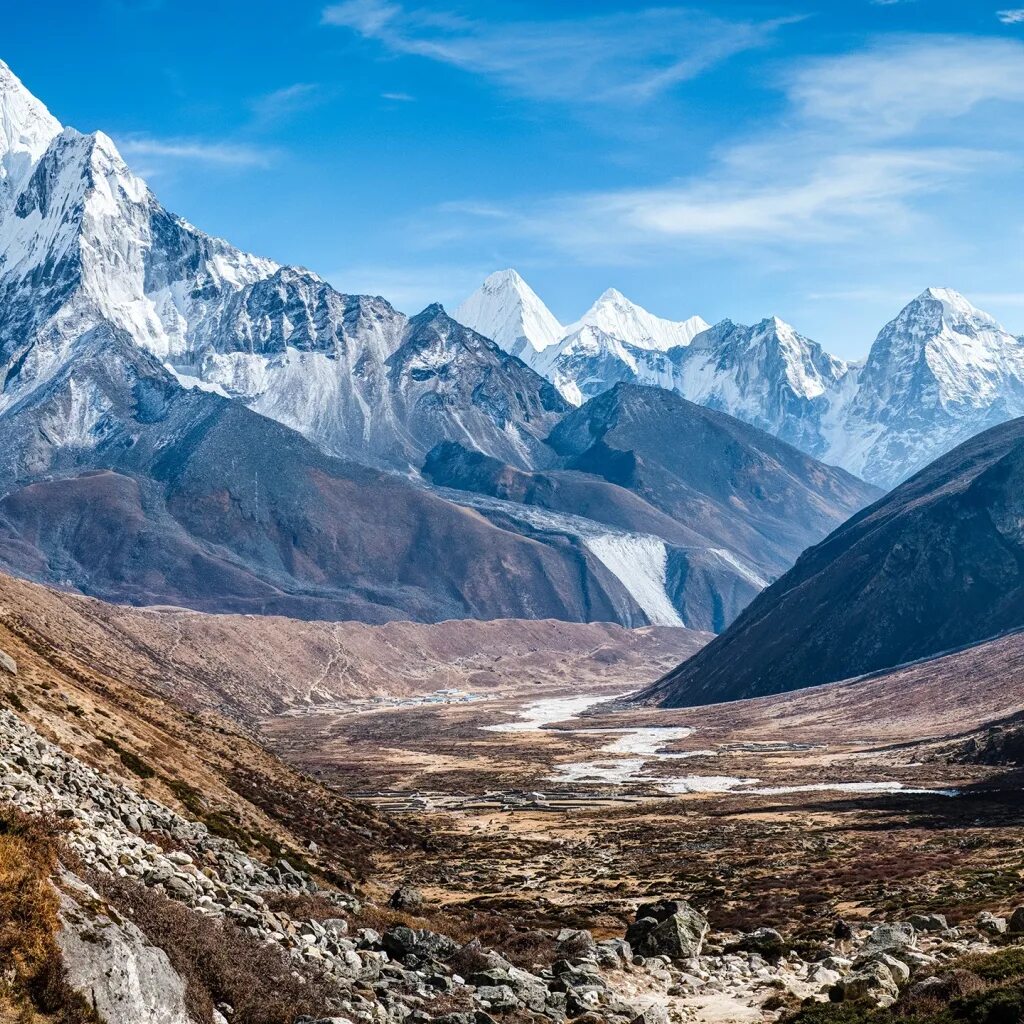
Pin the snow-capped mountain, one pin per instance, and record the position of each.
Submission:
(26, 129)
(631, 324)
(939, 373)
(84, 242)
(589, 361)
(767, 375)
(508, 311)
(614, 341)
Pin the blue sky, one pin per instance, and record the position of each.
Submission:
(820, 161)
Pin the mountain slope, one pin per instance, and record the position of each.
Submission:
(737, 485)
(120, 483)
(84, 242)
(703, 522)
(936, 564)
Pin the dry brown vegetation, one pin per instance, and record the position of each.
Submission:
(35, 982)
(219, 962)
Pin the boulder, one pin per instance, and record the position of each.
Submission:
(766, 942)
(1017, 921)
(651, 1015)
(873, 983)
(887, 938)
(8, 664)
(406, 898)
(988, 923)
(669, 928)
(929, 922)
(113, 967)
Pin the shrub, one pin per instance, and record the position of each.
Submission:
(219, 962)
(29, 919)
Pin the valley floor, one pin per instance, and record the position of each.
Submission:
(790, 811)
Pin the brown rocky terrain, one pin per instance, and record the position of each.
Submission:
(257, 665)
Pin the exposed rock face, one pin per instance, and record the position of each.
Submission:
(935, 565)
(111, 964)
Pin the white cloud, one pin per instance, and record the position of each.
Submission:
(227, 154)
(412, 288)
(901, 86)
(398, 97)
(1014, 17)
(282, 103)
(864, 141)
(627, 57)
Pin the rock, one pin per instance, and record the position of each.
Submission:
(988, 923)
(8, 664)
(929, 922)
(575, 942)
(886, 938)
(406, 898)
(822, 978)
(497, 997)
(766, 942)
(873, 983)
(613, 952)
(897, 968)
(399, 942)
(115, 969)
(1017, 921)
(651, 1015)
(670, 928)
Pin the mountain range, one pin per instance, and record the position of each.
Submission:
(939, 373)
(188, 424)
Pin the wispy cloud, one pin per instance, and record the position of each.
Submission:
(899, 87)
(398, 97)
(225, 154)
(863, 140)
(282, 103)
(628, 57)
(1014, 17)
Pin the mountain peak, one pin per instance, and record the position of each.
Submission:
(509, 312)
(26, 129)
(623, 319)
(955, 307)
(613, 295)
(508, 278)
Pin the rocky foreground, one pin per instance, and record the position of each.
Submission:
(129, 864)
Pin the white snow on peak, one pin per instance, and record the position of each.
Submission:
(26, 129)
(509, 312)
(957, 308)
(616, 315)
